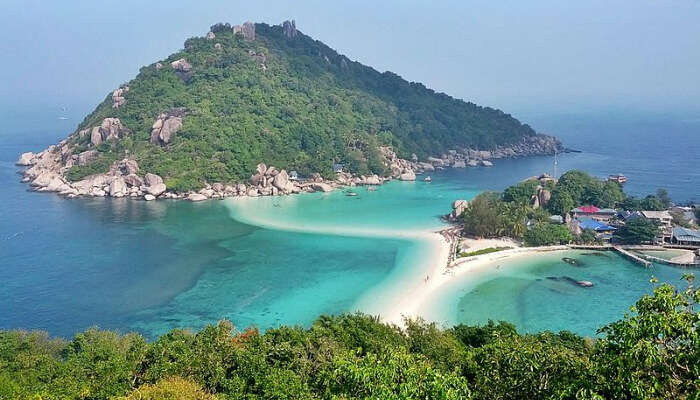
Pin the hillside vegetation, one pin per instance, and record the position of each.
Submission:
(286, 99)
(653, 353)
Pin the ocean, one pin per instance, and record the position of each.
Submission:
(68, 264)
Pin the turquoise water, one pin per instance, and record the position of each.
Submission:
(520, 291)
(68, 264)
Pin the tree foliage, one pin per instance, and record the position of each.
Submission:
(308, 108)
(636, 231)
(545, 234)
(652, 353)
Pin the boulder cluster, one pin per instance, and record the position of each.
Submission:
(109, 129)
(247, 30)
(542, 197)
(166, 125)
(467, 157)
(118, 99)
(458, 208)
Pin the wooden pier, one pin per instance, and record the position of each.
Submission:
(632, 257)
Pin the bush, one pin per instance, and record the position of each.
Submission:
(548, 234)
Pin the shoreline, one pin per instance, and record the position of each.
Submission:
(404, 293)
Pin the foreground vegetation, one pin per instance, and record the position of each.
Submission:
(652, 353)
(306, 109)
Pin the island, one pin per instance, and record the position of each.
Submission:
(257, 110)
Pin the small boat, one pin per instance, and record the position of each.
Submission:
(619, 178)
(428, 179)
(349, 193)
(371, 188)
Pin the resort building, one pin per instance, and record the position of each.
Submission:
(664, 220)
(602, 230)
(685, 236)
(593, 212)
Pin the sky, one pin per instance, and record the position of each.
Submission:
(528, 58)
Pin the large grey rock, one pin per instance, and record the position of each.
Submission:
(544, 196)
(87, 157)
(109, 129)
(210, 36)
(164, 128)
(149, 197)
(156, 190)
(118, 98)
(408, 175)
(133, 180)
(44, 179)
(118, 187)
(281, 180)
(486, 163)
(321, 187)
(289, 28)
(181, 65)
(96, 136)
(57, 185)
(373, 180)
(459, 164)
(25, 159)
(152, 179)
(247, 30)
(196, 197)
(261, 168)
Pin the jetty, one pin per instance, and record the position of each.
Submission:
(632, 257)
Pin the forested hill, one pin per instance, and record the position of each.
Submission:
(260, 93)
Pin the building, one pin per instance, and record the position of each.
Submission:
(664, 220)
(338, 167)
(598, 214)
(685, 236)
(602, 230)
(293, 175)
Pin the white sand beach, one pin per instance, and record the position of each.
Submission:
(440, 273)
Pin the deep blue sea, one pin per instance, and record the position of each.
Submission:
(67, 264)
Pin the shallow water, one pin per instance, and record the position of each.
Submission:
(153, 266)
(523, 292)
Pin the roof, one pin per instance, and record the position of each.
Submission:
(686, 235)
(587, 209)
(629, 215)
(589, 223)
(607, 211)
(656, 214)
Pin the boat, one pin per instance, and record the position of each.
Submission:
(428, 179)
(371, 188)
(619, 178)
(350, 193)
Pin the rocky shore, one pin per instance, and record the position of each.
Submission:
(46, 171)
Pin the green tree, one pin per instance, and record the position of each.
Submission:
(521, 192)
(561, 202)
(548, 234)
(654, 352)
(482, 217)
(637, 230)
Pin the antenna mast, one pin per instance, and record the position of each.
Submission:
(555, 164)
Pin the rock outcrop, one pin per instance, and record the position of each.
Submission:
(110, 129)
(166, 125)
(118, 99)
(247, 30)
(458, 208)
(289, 28)
(25, 159)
